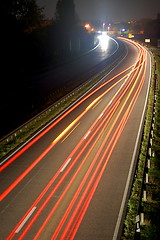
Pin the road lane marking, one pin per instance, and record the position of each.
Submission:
(25, 220)
(110, 102)
(92, 103)
(65, 165)
(101, 115)
(70, 132)
(87, 134)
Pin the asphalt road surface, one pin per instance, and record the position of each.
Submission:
(72, 181)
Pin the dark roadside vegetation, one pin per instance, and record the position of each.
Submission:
(31, 45)
(144, 29)
(143, 210)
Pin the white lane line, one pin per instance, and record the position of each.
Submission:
(87, 134)
(65, 165)
(26, 219)
(110, 102)
(116, 231)
(101, 115)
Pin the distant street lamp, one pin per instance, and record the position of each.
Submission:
(88, 27)
(109, 27)
(103, 26)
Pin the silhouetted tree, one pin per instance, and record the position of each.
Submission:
(24, 14)
(66, 22)
(18, 19)
(66, 14)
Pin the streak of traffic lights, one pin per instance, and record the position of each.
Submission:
(17, 181)
(140, 63)
(14, 184)
(78, 214)
(60, 136)
(76, 211)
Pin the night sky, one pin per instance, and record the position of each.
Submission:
(108, 10)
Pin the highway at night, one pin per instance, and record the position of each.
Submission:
(72, 180)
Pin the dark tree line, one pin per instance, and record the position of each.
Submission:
(66, 14)
(71, 37)
(27, 43)
(18, 19)
(23, 15)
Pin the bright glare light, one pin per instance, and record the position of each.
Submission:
(87, 26)
(103, 40)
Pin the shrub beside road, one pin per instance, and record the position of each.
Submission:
(143, 211)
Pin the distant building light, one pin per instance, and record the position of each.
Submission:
(147, 40)
(87, 26)
(130, 35)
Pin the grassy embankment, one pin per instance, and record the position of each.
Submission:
(147, 176)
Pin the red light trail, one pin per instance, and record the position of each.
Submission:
(87, 162)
